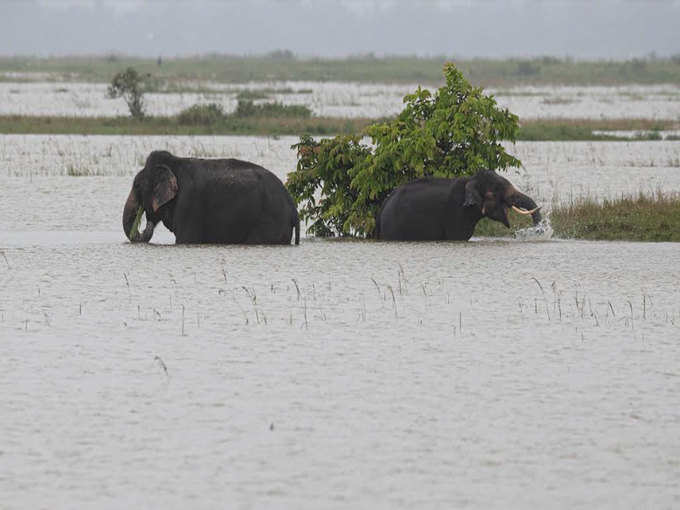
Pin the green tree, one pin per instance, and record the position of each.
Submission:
(326, 166)
(129, 85)
(455, 131)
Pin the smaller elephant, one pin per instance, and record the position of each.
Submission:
(434, 208)
(221, 201)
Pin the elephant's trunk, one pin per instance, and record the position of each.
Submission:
(526, 206)
(132, 215)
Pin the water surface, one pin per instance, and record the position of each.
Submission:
(481, 374)
(493, 374)
(343, 99)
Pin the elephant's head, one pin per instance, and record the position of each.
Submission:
(494, 195)
(154, 187)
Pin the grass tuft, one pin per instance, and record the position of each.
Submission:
(641, 218)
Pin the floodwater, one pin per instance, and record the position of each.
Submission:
(342, 99)
(488, 374)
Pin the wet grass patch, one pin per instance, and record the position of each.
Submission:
(640, 218)
(198, 121)
(535, 130)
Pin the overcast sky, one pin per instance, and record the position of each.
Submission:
(463, 28)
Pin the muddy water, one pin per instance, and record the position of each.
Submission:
(489, 374)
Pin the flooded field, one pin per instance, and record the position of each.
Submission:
(339, 99)
(32, 167)
(492, 374)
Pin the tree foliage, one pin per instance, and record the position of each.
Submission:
(326, 166)
(455, 131)
(129, 85)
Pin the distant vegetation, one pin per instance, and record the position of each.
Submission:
(275, 110)
(201, 115)
(212, 115)
(285, 66)
(129, 85)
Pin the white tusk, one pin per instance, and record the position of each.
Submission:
(524, 211)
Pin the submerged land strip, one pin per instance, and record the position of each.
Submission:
(530, 129)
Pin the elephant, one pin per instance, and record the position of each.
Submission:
(435, 208)
(219, 201)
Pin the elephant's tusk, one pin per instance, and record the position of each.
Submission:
(524, 211)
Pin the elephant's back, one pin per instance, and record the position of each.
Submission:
(235, 172)
(420, 194)
(413, 211)
(259, 209)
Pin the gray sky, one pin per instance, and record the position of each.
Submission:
(464, 28)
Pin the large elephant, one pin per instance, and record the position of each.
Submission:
(434, 208)
(224, 201)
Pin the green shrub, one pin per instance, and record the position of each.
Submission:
(326, 166)
(247, 108)
(455, 131)
(201, 115)
(251, 95)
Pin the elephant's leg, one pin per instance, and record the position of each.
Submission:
(188, 223)
(193, 237)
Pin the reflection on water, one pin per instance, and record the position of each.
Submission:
(339, 374)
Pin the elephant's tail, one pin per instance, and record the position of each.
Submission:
(296, 225)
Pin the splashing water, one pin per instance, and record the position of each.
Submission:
(541, 232)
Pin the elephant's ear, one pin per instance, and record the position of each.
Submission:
(165, 187)
(472, 196)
